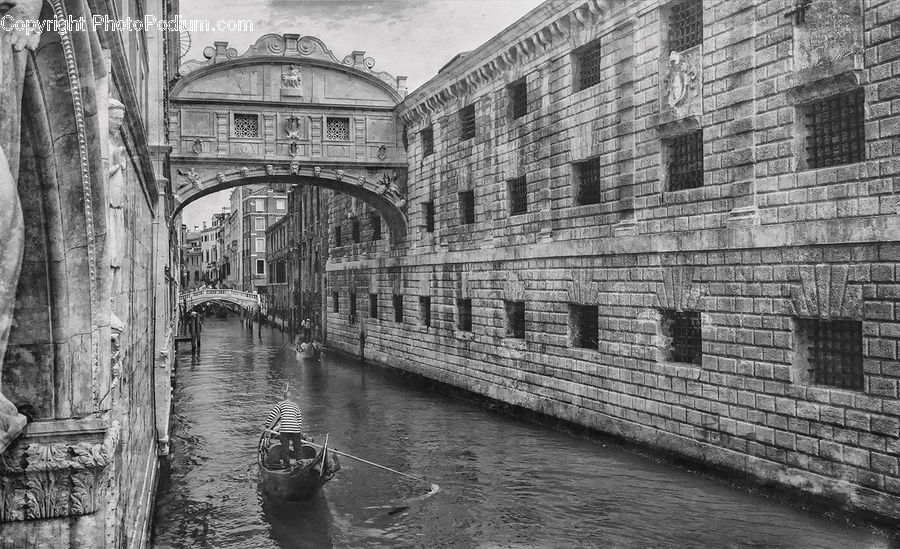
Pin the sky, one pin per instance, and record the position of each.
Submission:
(412, 38)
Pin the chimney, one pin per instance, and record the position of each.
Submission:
(204, 225)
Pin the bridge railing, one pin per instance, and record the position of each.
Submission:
(219, 293)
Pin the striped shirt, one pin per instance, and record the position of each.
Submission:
(288, 413)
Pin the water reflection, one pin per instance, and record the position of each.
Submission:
(504, 483)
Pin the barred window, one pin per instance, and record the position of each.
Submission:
(686, 25)
(588, 175)
(831, 351)
(584, 326)
(246, 125)
(685, 161)
(427, 141)
(428, 208)
(683, 331)
(425, 311)
(352, 316)
(373, 305)
(467, 122)
(467, 207)
(515, 319)
(464, 314)
(337, 129)
(335, 302)
(834, 130)
(398, 308)
(588, 61)
(518, 98)
(337, 237)
(354, 230)
(518, 195)
(376, 225)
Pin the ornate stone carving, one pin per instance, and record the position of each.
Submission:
(245, 172)
(197, 146)
(339, 174)
(293, 78)
(681, 81)
(295, 168)
(832, 31)
(193, 181)
(382, 152)
(221, 177)
(678, 290)
(116, 196)
(44, 480)
(13, 59)
(317, 171)
(582, 289)
(825, 292)
(270, 169)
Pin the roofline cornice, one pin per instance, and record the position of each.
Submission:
(528, 37)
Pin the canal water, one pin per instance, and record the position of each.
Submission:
(503, 482)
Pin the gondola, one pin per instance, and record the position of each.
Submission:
(308, 350)
(304, 478)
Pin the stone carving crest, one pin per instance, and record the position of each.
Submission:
(681, 79)
(293, 78)
(295, 168)
(382, 152)
(197, 146)
(51, 480)
(193, 180)
(293, 127)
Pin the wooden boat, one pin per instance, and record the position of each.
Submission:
(303, 478)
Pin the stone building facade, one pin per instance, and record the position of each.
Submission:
(85, 317)
(279, 263)
(673, 222)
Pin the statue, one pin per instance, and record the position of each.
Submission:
(13, 60)
(293, 79)
(118, 158)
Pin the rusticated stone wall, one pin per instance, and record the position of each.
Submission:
(764, 245)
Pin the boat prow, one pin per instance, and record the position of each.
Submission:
(303, 478)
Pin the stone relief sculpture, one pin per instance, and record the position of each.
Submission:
(116, 196)
(14, 48)
(293, 78)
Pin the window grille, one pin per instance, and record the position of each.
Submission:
(467, 122)
(464, 314)
(429, 216)
(589, 174)
(834, 130)
(354, 230)
(467, 207)
(515, 319)
(684, 329)
(352, 315)
(427, 141)
(425, 310)
(376, 226)
(686, 161)
(518, 96)
(337, 237)
(518, 195)
(246, 125)
(686, 25)
(834, 350)
(337, 129)
(398, 308)
(335, 303)
(589, 65)
(373, 305)
(585, 326)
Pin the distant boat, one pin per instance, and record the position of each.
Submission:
(303, 478)
(308, 350)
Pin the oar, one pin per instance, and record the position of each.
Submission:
(367, 462)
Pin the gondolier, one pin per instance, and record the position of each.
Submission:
(286, 415)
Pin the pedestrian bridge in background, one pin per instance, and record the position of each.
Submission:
(197, 297)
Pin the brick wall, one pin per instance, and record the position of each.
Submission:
(763, 245)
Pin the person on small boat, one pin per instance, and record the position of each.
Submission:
(287, 414)
(307, 326)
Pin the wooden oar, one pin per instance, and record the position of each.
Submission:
(367, 462)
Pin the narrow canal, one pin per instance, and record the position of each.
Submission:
(504, 483)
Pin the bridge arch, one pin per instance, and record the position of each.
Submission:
(288, 111)
(192, 299)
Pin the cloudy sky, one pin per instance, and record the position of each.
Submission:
(412, 38)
